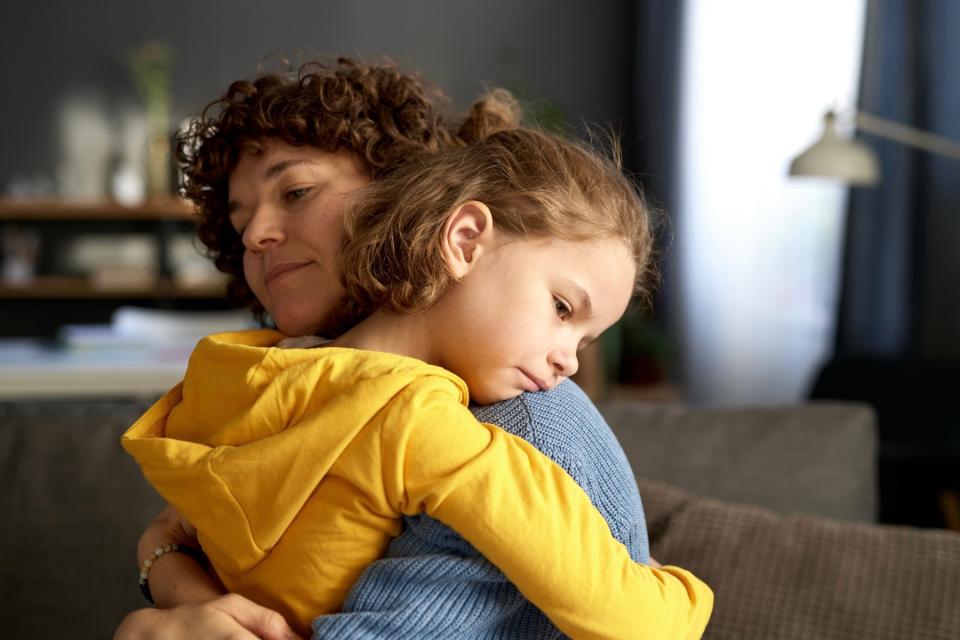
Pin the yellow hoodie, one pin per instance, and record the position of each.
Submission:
(296, 465)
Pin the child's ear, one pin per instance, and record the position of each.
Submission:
(466, 233)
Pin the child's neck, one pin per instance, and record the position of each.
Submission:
(402, 334)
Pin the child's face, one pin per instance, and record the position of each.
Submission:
(517, 320)
(288, 204)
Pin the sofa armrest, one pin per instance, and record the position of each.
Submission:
(799, 577)
(818, 459)
(72, 507)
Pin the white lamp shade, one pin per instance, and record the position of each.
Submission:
(850, 161)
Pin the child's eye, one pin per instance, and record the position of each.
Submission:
(563, 309)
(295, 194)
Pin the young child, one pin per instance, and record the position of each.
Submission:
(485, 268)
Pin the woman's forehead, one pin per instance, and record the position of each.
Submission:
(272, 158)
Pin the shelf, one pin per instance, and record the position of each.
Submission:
(166, 208)
(67, 287)
(31, 368)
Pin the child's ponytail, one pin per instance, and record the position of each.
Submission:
(494, 111)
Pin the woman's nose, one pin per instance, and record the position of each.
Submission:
(265, 229)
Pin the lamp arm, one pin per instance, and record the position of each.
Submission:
(910, 136)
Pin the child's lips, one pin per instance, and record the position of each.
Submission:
(533, 382)
(282, 269)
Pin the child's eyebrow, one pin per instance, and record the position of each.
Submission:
(584, 298)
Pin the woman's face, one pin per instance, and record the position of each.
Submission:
(288, 205)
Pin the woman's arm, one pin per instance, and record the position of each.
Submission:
(175, 578)
(230, 617)
(190, 602)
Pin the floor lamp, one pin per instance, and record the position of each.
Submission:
(854, 162)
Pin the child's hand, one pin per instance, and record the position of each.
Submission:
(229, 616)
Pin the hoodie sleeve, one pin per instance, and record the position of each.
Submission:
(529, 518)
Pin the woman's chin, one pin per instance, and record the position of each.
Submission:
(297, 324)
(308, 312)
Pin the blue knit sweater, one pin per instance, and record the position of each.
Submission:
(433, 584)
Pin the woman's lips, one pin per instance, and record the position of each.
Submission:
(281, 270)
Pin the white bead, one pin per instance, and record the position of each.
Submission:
(167, 548)
(148, 563)
(158, 551)
(143, 575)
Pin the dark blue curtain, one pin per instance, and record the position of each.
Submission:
(898, 333)
(648, 353)
(656, 98)
(901, 287)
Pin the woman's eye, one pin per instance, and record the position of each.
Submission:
(295, 194)
(238, 225)
(563, 309)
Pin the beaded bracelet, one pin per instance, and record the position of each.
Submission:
(196, 554)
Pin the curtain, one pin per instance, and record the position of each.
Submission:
(900, 297)
(897, 344)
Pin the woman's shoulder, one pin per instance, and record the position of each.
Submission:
(566, 426)
(562, 423)
(565, 412)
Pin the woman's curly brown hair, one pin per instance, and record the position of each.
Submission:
(535, 185)
(383, 114)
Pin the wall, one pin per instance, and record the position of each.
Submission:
(575, 54)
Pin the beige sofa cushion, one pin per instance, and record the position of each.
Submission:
(818, 459)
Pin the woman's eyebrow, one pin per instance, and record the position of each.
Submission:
(272, 172)
(277, 168)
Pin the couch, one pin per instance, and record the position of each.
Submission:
(774, 508)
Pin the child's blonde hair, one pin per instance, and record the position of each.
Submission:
(536, 185)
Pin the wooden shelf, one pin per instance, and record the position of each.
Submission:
(167, 208)
(69, 287)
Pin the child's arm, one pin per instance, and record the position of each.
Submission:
(175, 578)
(528, 517)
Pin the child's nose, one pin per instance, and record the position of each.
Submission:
(564, 362)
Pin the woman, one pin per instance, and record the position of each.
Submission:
(285, 154)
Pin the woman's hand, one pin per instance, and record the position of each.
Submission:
(228, 617)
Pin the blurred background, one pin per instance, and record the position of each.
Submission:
(776, 289)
